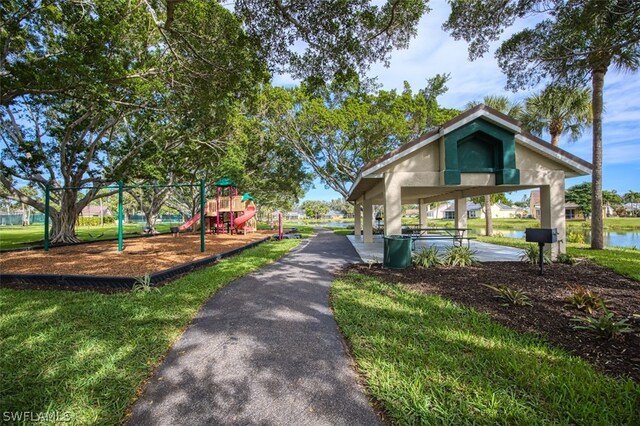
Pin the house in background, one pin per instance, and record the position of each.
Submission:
(475, 211)
(571, 210)
(632, 209)
(503, 211)
(96, 211)
(411, 213)
(438, 211)
(333, 214)
(295, 215)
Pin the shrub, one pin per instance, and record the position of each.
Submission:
(604, 325)
(565, 258)
(459, 256)
(510, 296)
(143, 285)
(576, 237)
(427, 257)
(531, 255)
(94, 220)
(584, 299)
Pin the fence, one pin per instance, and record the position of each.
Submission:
(163, 218)
(15, 219)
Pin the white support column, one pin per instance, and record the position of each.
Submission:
(357, 220)
(367, 219)
(392, 206)
(461, 212)
(422, 213)
(552, 214)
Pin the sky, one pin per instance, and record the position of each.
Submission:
(433, 51)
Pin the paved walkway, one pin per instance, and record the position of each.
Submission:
(485, 252)
(265, 350)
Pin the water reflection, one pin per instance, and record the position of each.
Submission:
(611, 238)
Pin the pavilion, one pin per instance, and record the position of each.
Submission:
(479, 152)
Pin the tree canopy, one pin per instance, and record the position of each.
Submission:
(326, 40)
(558, 110)
(338, 131)
(575, 41)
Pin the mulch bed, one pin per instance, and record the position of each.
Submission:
(140, 256)
(550, 315)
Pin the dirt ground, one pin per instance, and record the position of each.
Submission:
(140, 255)
(550, 316)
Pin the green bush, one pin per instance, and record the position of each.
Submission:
(427, 257)
(531, 255)
(94, 220)
(143, 285)
(584, 299)
(605, 325)
(459, 256)
(510, 296)
(576, 237)
(565, 258)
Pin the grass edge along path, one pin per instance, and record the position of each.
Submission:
(430, 361)
(85, 355)
(622, 260)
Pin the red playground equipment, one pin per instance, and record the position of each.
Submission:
(228, 212)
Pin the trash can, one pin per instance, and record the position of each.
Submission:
(397, 251)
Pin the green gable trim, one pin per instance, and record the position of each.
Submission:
(480, 147)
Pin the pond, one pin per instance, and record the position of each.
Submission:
(321, 224)
(611, 238)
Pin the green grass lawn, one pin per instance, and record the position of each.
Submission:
(625, 261)
(431, 361)
(86, 353)
(24, 236)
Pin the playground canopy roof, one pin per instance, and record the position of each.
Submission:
(224, 182)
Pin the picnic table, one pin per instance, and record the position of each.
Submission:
(457, 235)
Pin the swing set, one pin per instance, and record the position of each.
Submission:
(121, 187)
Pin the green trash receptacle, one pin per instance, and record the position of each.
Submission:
(397, 251)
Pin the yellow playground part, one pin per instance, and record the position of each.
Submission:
(237, 205)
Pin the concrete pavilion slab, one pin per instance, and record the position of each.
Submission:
(479, 152)
(485, 252)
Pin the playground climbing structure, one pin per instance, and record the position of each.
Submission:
(228, 212)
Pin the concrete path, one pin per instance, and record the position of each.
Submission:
(265, 350)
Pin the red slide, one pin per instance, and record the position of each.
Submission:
(190, 222)
(240, 221)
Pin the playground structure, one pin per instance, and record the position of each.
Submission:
(232, 213)
(227, 213)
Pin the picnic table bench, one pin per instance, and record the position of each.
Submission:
(456, 235)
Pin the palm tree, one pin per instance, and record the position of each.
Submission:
(500, 103)
(558, 110)
(505, 106)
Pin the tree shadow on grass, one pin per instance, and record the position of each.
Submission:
(432, 361)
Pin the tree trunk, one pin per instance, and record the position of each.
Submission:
(597, 220)
(488, 216)
(25, 215)
(63, 229)
(63, 224)
(555, 139)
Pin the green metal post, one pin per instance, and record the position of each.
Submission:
(202, 218)
(47, 196)
(120, 214)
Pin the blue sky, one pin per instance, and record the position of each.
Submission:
(433, 51)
